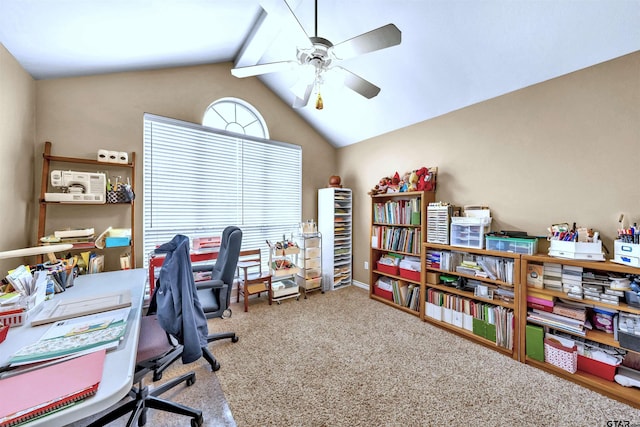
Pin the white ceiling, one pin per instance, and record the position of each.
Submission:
(454, 53)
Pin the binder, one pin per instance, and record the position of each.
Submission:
(38, 392)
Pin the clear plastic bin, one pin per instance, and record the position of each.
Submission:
(512, 244)
(469, 232)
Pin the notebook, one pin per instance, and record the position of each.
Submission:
(41, 391)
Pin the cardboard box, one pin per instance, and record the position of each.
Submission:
(576, 250)
(433, 311)
(433, 278)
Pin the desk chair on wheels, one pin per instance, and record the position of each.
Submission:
(175, 326)
(214, 294)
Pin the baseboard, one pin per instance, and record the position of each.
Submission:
(355, 283)
(360, 285)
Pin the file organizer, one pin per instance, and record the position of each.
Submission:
(438, 220)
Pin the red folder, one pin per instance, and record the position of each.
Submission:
(40, 391)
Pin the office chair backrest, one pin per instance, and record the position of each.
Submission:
(178, 308)
(227, 261)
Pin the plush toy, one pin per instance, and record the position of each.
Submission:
(394, 185)
(413, 181)
(381, 187)
(426, 179)
(404, 182)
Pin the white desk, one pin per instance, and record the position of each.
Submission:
(119, 366)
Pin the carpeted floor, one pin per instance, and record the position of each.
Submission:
(342, 359)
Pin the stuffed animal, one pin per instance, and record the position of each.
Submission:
(413, 181)
(381, 187)
(404, 182)
(426, 179)
(394, 185)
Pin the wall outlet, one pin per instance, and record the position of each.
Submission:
(366, 265)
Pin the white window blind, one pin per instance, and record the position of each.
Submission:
(199, 180)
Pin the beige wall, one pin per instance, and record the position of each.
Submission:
(83, 114)
(17, 127)
(561, 151)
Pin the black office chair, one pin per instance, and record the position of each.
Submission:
(165, 334)
(214, 294)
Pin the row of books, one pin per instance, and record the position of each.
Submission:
(485, 266)
(465, 312)
(396, 238)
(404, 294)
(397, 211)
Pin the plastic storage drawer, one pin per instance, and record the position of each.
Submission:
(469, 232)
(512, 244)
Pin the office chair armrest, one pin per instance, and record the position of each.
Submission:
(211, 284)
(201, 267)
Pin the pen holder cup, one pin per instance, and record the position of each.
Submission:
(61, 275)
(122, 194)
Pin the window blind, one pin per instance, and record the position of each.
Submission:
(198, 180)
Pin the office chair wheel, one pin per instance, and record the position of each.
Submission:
(191, 381)
(197, 422)
(157, 376)
(235, 338)
(226, 313)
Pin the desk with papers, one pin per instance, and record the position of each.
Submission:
(119, 363)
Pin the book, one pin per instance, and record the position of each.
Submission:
(62, 384)
(75, 336)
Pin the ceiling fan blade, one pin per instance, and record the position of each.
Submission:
(358, 84)
(288, 19)
(272, 67)
(380, 38)
(302, 102)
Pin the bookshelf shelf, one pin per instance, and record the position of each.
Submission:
(628, 395)
(85, 210)
(398, 227)
(602, 385)
(476, 311)
(334, 223)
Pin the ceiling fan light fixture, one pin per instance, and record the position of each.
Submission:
(319, 103)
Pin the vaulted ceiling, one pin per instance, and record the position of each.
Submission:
(453, 53)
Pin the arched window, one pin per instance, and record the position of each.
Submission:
(235, 115)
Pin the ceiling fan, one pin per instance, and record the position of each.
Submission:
(322, 55)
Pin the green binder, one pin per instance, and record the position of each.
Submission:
(535, 342)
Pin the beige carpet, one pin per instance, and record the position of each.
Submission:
(342, 359)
